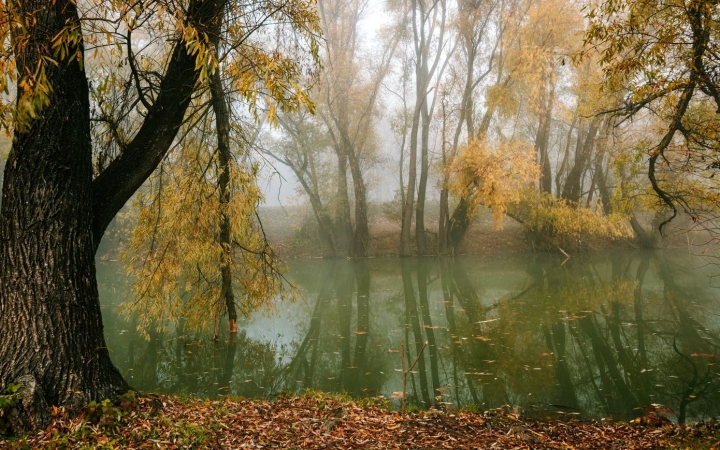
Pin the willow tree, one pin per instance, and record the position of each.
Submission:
(57, 199)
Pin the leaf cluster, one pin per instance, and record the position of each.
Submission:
(175, 254)
(553, 222)
(7, 402)
(493, 174)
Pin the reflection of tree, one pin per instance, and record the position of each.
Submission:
(556, 340)
(313, 363)
(478, 356)
(354, 383)
(620, 397)
(423, 279)
(586, 345)
(300, 367)
(144, 373)
(630, 359)
(412, 321)
(695, 348)
(607, 336)
(178, 362)
(449, 292)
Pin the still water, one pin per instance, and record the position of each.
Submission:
(598, 336)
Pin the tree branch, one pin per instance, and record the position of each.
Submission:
(119, 181)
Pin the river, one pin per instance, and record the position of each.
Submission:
(597, 336)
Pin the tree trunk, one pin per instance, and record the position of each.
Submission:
(542, 140)
(420, 236)
(573, 187)
(54, 214)
(222, 124)
(566, 156)
(303, 165)
(361, 235)
(409, 203)
(50, 322)
(459, 224)
(602, 175)
(343, 222)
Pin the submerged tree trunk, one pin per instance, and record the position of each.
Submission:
(222, 123)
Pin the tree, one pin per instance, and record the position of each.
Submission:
(55, 209)
(493, 175)
(303, 148)
(661, 57)
(474, 21)
(429, 20)
(198, 250)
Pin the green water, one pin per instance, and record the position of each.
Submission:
(597, 336)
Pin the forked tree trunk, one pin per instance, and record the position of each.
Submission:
(53, 213)
(50, 322)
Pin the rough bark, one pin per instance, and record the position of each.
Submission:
(50, 322)
(32, 411)
(53, 214)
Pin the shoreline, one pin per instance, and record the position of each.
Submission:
(315, 420)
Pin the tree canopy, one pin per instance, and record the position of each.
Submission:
(97, 95)
(661, 58)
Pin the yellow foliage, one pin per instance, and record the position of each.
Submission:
(582, 297)
(175, 255)
(493, 175)
(559, 222)
(542, 37)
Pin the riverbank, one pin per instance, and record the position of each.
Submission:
(316, 421)
(292, 231)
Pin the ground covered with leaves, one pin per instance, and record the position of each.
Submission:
(319, 422)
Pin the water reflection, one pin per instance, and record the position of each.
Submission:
(603, 337)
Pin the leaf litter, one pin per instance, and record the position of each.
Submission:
(323, 422)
